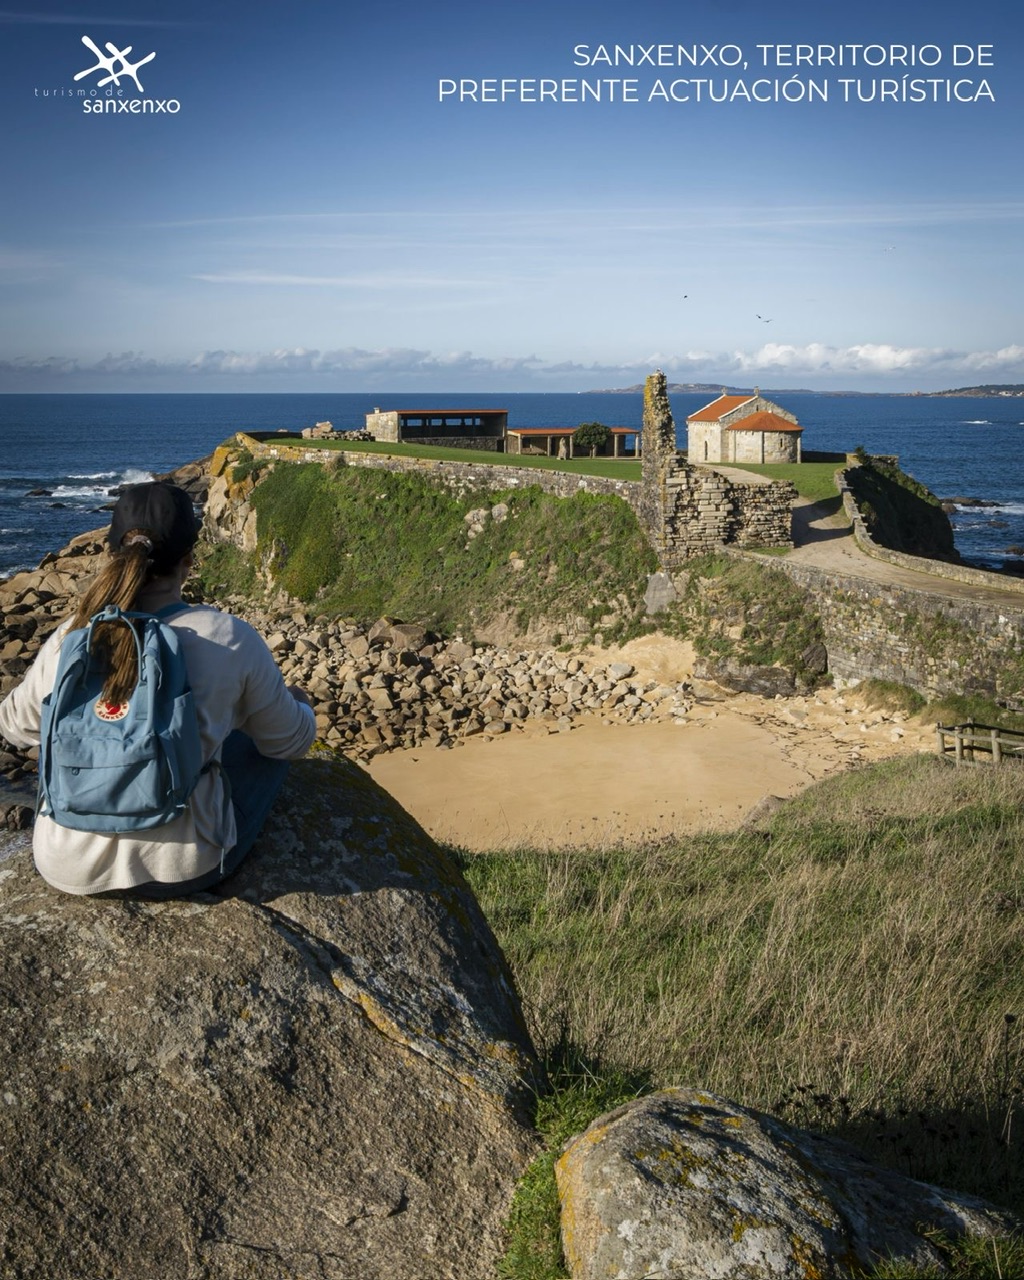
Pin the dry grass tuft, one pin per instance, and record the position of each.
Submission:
(853, 963)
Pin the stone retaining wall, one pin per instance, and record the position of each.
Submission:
(938, 568)
(462, 477)
(918, 638)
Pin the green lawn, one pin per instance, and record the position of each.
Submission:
(813, 480)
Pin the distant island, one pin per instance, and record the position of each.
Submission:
(989, 389)
(1006, 389)
(703, 388)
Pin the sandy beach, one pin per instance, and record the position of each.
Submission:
(600, 783)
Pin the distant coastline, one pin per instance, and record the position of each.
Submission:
(1003, 390)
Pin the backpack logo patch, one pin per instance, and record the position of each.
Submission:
(110, 710)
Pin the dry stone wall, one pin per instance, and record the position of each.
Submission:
(922, 639)
(460, 477)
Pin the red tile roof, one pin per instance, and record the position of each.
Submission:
(713, 411)
(764, 421)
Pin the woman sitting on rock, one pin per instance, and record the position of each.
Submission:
(250, 722)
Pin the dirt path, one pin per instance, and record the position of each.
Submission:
(827, 541)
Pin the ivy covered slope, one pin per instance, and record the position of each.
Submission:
(369, 543)
(899, 511)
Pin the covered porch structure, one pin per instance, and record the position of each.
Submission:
(557, 442)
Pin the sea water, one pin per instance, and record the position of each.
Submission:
(61, 455)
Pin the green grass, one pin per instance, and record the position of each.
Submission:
(967, 1258)
(851, 965)
(225, 571)
(745, 610)
(579, 1091)
(812, 480)
(365, 543)
(617, 469)
(948, 710)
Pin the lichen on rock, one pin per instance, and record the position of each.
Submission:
(320, 1069)
(685, 1184)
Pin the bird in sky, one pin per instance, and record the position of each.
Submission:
(765, 319)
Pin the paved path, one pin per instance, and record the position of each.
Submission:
(826, 540)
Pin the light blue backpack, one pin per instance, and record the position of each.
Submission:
(112, 769)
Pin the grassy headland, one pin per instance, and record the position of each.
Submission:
(367, 543)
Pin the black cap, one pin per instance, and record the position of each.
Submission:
(164, 513)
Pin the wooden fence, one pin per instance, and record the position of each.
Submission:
(972, 743)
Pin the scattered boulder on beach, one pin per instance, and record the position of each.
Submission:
(767, 682)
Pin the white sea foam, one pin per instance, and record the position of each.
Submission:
(90, 491)
(976, 422)
(94, 475)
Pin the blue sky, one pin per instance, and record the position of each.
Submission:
(304, 204)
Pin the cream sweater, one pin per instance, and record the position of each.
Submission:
(237, 686)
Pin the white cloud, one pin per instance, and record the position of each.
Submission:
(875, 365)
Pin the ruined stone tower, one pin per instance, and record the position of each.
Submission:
(687, 510)
(659, 458)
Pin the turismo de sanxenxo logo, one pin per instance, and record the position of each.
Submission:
(116, 88)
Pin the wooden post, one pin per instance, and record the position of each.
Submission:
(958, 741)
(997, 757)
(940, 740)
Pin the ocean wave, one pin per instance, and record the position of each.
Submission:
(94, 475)
(976, 422)
(83, 491)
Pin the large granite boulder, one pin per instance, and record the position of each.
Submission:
(318, 1071)
(683, 1185)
